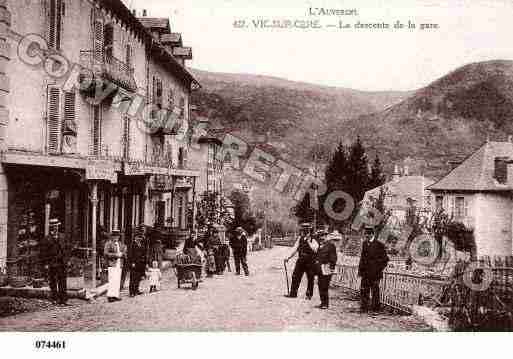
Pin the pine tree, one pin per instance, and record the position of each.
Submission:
(302, 210)
(376, 177)
(358, 171)
(337, 168)
(336, 180)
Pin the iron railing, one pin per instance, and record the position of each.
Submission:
(109, 68)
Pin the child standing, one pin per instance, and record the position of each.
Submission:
(154, 275)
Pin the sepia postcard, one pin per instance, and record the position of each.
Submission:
(237, 166)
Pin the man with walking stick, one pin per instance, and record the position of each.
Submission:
(306, 247)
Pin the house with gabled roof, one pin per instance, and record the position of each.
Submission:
(478, 193)
(402, 192)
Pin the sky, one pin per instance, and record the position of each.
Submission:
(364, 59)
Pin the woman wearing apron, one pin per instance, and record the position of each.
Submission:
(113, 254)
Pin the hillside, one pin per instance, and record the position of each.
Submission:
(444, 121)
(292, 113)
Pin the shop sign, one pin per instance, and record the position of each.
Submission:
(136, 169)
(101, 170)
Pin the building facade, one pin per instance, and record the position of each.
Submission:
(478, 193)
(403, 193)
(94, 124)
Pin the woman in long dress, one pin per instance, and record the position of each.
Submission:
(113, 254)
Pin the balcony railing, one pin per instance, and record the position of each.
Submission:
(109, 68)
(160, 156)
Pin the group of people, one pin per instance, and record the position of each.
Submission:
(214, 251)
(317, 256)
(123, 260)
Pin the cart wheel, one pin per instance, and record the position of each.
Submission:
(194, 281)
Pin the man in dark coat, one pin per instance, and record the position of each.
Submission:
(373, 261)
(305, 247)
(239, 244)
(137, 265)
(325, 262)
(55, 257)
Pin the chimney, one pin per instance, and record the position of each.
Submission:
(396, 174)
(501, 170)
(134, 12)
(145, 13)
(453, 163)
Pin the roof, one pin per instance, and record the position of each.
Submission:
(403, 188)
(174, 38)
(160, 23)
(119, 9)
(476, 172)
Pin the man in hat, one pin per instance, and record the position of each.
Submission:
(325, 261)
(373, 261)
(239, 244)
(113, 255)
(305, 247)
(55, 258)
(136, 264)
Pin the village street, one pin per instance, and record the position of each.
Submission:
(227, 302)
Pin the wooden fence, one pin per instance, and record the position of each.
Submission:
(397, 289)
(478, 296)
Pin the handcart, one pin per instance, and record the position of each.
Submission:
(187, 271)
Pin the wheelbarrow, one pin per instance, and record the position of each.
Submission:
(188, 273)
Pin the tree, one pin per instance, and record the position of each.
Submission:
(376, 176)
(242, 212)
(336, 180)
(358, 171)
(303, 210)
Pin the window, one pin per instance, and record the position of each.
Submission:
(439, 202)
(98, 40)
(55, 11)
(54, 129)
(108, 41)
(128, 56)
(459, 210)
(182, 106)
(60, 120)
(171, 99)
(181, 157)
(157, 92)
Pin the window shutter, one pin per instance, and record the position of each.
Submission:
(53, 120)
(126, 137)
(69, 106)
(95, 149)
(108, 41)
(98, 40)
(465, 206)
(51, 23)
(171, 99)
(128, 56)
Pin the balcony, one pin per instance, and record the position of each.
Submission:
(108, 68)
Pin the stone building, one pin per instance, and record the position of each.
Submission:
(94, 106)
(477, 193)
